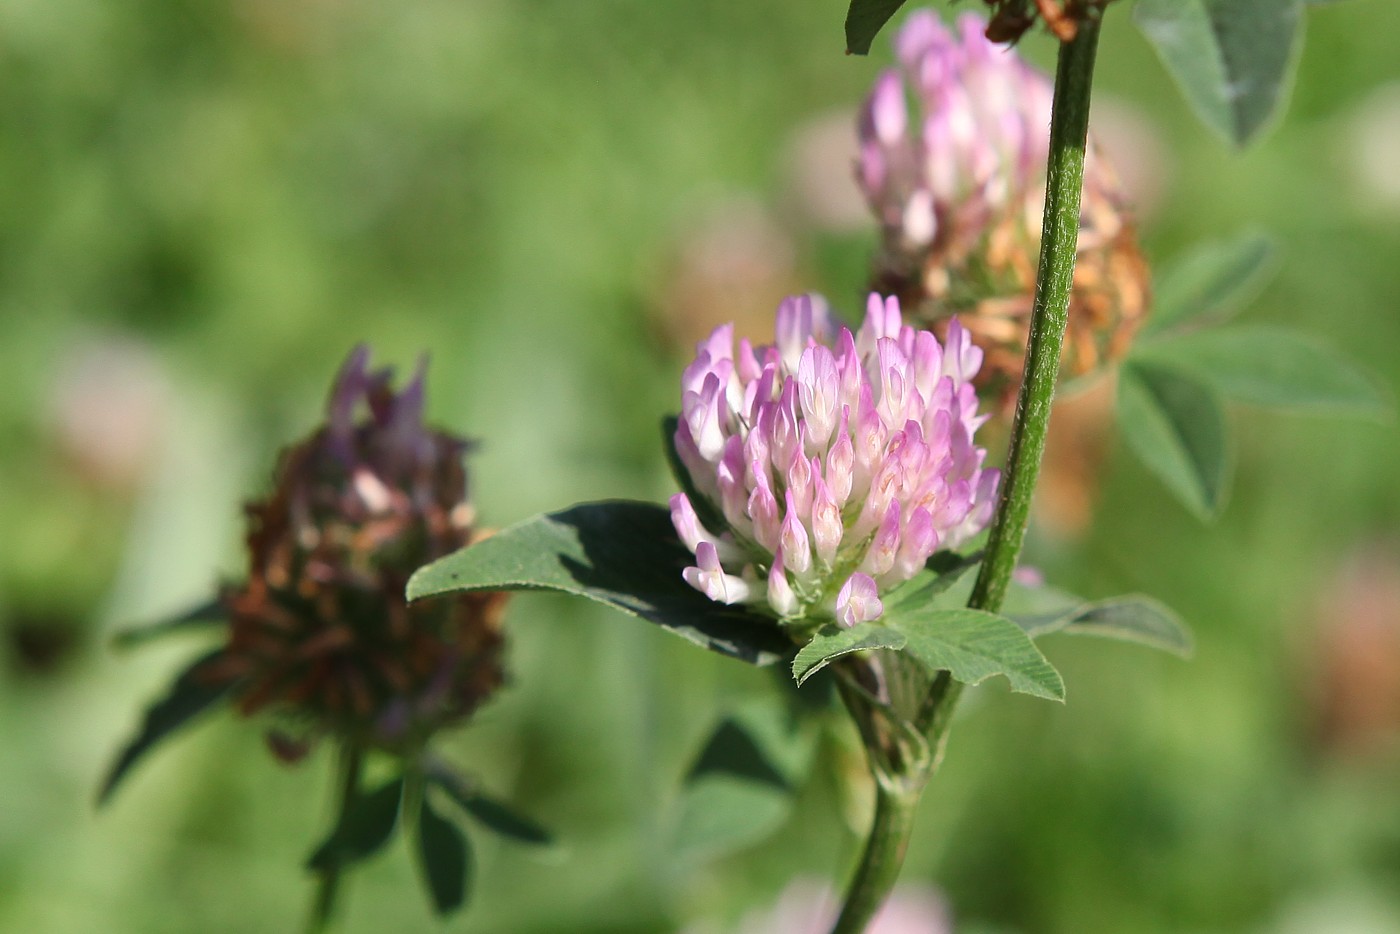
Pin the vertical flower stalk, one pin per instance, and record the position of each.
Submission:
(885, 846)
(1069, 130)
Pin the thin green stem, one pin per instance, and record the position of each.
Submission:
(896, 801)
(349, 768)
(1059, 242)
(882, 859)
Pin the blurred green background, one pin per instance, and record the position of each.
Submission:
(206, 204)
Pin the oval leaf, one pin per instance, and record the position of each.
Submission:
(832, 642)
(363, 830)
(189, 696)
(1211, 283)
(973, 645)
(1176, 426)
(720, 814)
(744, 781)
(504, 820)
(444, 857)
(1231, 58)
(1134, 618)
(1276, 368)
(622, 554)
(495, 814)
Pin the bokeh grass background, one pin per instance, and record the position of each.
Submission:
(206, 204)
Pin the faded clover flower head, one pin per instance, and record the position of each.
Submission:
(959, 193)
(320, 633)
(830, 465)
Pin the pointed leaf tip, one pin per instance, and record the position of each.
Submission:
(1232, 59)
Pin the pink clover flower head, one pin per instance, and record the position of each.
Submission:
(980, 146)
(831, 464)
(953, 145)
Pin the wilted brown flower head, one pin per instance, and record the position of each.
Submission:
(959, 198)
(320, 633)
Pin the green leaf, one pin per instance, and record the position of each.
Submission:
(1176, 426)
(833, 641)
(973, 645)
(363, 830)
(496, 815)
(1210, 283)
(1132, 618)
(200, 617)
(710, 517)
(742, 784)
(731, 750)
(187, 697)
(723, 813)
(1276, 368)
(1231, 58)
(864, 19)
(622, 554)
(444, 857)
(507, 822)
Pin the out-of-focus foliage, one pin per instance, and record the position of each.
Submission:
(207, 204)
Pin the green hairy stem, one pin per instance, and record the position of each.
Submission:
(895, 803)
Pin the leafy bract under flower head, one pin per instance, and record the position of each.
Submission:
(959, 195)
(320, 633)
(831, 465)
